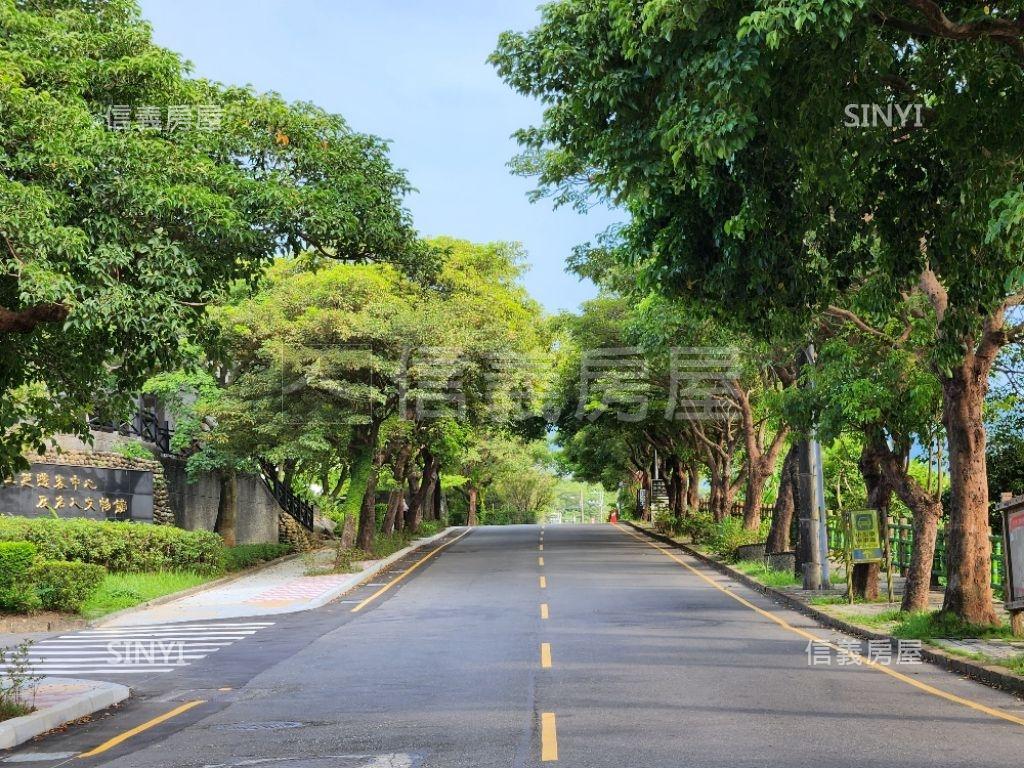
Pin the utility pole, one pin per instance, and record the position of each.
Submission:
(809, 539)
(813, 539)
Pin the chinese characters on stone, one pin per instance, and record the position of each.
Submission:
(58, 491)
(170, 119)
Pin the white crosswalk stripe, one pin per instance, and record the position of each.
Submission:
(134, 650)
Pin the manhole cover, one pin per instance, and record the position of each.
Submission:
(270, 725)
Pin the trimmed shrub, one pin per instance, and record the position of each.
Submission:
(248, 555)
(699, 526)
(119, 547)
(66, 586)
(17, 592)
(729, 534)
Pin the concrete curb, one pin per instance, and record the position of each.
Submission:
(993, 676)
(365, 575)
(20, 729)
(171, 597)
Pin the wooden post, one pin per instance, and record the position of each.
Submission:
(1017, 623)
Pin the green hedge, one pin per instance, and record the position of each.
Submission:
(119, 547)
(17, 592)
(248, 555)
(66, 586)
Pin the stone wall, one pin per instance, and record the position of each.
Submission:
(188, 504)
(163, 513)
(195, 504)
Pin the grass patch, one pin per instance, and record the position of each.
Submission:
(881, 619)
(1015, 665)
(843, 600)
(925, 625)
(123, 590)
(758, 570)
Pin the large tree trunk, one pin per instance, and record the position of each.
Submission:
(401, 468)
(471, 494)
(394, 502)
(926, 511)
(422, 495)
(760, 461)
(413, 481)
(227, 508)
(368, 511)
(693, 486)
(757, 479)
(879, 496)
(438, 493)
(785, 505)
(968, 549)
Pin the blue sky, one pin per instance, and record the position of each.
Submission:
(415, 73)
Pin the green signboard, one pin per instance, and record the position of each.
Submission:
(865, 537)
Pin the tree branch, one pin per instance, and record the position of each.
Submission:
(26, 320)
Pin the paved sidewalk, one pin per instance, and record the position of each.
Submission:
(57, 701)
(280, 588)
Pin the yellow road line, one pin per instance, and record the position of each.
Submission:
(111, 743)
(543, 583)
(548, 738)
(545, 655)
(406, 572)
(540, 561)
(543, 610)
(541, 547)
(997, 713)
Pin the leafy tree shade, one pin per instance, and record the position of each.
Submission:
(339, 371)
(720, 126)
(112, 241)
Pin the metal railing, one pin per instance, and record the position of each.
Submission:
(144, 424)
(901, 539)
(290, 502)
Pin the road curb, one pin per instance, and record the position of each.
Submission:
(992, 676)
(18, 730)
(381, 565)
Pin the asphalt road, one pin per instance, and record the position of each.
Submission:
(641, 661)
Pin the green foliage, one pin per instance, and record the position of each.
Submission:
(121, 547)
(17, 592)
(244, 556)
(729, 535)
(66, 586)
(17, 695)
(759, 570)
(115, 240)
(132, 449)
(699, 526)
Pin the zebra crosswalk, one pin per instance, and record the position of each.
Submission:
(146, 649)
